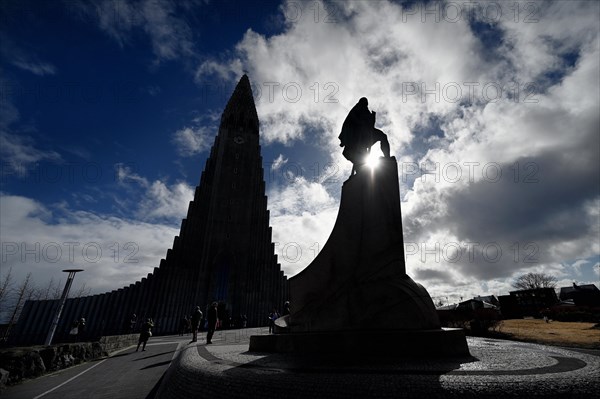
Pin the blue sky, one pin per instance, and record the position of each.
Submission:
(109, 108)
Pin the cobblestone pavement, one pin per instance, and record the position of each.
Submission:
(496, 368)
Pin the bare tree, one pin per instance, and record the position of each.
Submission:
(56, 292)
(22, 293)
(532, 281)
(82, 291)
(44, 292)
(50, 291)
(5, 287)
(49, 288)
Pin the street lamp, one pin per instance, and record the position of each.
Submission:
(61, 304)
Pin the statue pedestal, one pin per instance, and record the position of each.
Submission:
(407, 343)
(356, 292)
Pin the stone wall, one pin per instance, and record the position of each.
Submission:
(17, 364)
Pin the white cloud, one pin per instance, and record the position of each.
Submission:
(374, 51)
(37, 68)
(18, 150)
(299, 196)
(366, 54)
(170, 36)
(158, 201)
(164, 202)
(24, 59)
(191, 141)
(20, 153)
(279, 162)
(578, 264)
(45, 239)
(302, 216)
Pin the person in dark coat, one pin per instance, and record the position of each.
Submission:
(196, 318)
(81, 328)
(212, 318)
(183, 324)
(272, 317)
(132, 323)
(145, 334)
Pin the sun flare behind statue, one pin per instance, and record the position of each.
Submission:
(372, 160)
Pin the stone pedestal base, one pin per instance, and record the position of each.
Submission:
(411, 343)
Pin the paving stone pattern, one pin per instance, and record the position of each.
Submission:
(495, 368)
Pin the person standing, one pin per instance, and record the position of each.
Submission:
(196, 318)
(74, 331)
(81, 328)
(132, 323)
(212, 317)
(183, 323)
(145, 334)
(272, 317)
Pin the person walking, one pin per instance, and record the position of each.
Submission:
(272, 317)
(212, 316)
(196, 318)
(145, 333)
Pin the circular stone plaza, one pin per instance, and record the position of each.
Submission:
(495, 368)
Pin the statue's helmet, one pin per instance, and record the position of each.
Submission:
(363, 101)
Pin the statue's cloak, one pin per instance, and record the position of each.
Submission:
(356, 135)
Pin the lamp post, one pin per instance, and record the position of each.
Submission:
(61, 303)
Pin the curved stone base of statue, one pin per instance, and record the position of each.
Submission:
(358, 281)
(355, 296)
(381, 343)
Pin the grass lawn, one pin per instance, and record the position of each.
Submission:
(580, 335)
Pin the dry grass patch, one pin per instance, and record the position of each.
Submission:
(555, 333)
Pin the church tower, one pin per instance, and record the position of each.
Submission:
(224, 246)
(223, 252)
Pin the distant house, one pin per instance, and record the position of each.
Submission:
(491, 299)
(527, 302)
(509, 306)
(581, 295)
(478, 302)
(465, 311)
(447, 307)
(475, 303)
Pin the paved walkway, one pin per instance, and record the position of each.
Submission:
(126, 374)
(496, 368)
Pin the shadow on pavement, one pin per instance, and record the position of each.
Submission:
(151, 356)
(350, 376)
(121, 354)
(156, 365)
(152, 393)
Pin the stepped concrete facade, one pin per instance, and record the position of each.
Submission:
(223, 252)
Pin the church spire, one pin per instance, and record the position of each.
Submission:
(240, 110)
